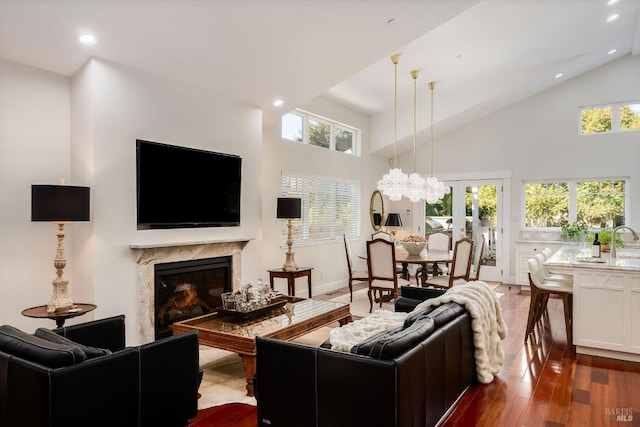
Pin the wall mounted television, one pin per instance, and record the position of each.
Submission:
(180, 187)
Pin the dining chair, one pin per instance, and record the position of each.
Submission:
(460, 266)
(381, 263)
(541, 289)
(381, 235)
(478, 255)
(354, 275)
(438, 241)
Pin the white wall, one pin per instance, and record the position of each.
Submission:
(125, 105)
(328, 260)
(34, 149)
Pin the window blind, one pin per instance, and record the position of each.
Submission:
(330, 208)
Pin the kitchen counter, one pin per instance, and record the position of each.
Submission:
(606, 300)
(580, 257)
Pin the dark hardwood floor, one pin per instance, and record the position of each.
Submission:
(542, 383)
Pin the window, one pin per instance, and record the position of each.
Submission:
(306, 128)
(618, 117)
(593, 203)
(330, 208)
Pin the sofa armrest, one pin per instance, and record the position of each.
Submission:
(106, 333)
(411, 296)
(169, 375)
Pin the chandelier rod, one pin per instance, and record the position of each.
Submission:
(414, 75)
(394, 59)
(432, 86)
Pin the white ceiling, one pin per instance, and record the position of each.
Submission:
(484, 54)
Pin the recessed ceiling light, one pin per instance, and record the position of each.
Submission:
(557, 76)
(87, 39)
(612, 17)
(612, 2)
(612, 51)
(278, 102)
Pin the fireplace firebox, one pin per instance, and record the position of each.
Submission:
(187, 289)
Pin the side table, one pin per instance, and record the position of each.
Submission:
(40, 312)
(291, 277)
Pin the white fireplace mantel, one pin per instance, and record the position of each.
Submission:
(150, 254)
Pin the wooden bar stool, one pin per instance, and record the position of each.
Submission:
(540, 291)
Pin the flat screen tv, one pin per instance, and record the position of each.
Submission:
(179, 187)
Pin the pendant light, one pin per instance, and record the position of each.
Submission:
(434, 190)
(393, 183)
(414, 190)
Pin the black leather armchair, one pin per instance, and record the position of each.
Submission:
(154, 384)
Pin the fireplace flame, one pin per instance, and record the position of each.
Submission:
(189, 298)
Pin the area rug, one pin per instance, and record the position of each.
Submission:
(224, 379)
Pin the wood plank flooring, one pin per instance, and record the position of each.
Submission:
(542, 383)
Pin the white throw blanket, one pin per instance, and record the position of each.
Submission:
(487, 324)
(346, 336)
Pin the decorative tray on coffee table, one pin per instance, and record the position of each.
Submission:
(274, 304)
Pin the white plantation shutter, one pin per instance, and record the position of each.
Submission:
(330, 208)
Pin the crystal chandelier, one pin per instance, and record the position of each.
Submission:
(394, 182)
(434, 190)
(414, 190)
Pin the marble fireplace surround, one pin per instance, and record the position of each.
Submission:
(147, 255)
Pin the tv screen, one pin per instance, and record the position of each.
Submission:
(179, 187)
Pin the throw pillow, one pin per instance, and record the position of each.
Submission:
(51, 336)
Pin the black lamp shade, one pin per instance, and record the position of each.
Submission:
(393, 220)
(377, 219)
(289, 207)
(59, 203)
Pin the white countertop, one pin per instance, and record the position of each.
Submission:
(580, 257)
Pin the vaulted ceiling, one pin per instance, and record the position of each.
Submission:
(483, 54)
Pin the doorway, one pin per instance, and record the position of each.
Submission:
(472, 209)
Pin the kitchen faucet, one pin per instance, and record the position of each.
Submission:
(613, 238)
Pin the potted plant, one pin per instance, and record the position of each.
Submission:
(574, 231)
(605, 239)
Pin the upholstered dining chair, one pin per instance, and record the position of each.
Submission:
(474, 273)
(460, 266)
(354, 275)
(381, 263)
(439, 241)
(540, 291)
(381, 235)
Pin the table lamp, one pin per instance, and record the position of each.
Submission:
(393, 222)
(59, 204)
(289, 208)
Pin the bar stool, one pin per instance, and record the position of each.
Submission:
(547, 275)
(540, 291)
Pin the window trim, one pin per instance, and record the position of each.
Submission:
(333, 124)
(615, 116)
(573, 198)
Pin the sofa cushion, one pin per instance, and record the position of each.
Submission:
(51, 336)
(35, 349)
(417, 314)
(440, 314)
(366, 346)
(393, 345)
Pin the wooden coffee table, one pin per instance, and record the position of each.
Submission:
(298, 317)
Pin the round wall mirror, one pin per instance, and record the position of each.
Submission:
(376, 210)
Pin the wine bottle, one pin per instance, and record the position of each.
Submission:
(595, 247)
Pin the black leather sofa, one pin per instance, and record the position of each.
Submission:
(408, 377)
(155, 384)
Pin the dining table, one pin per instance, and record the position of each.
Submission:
(423, 259)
